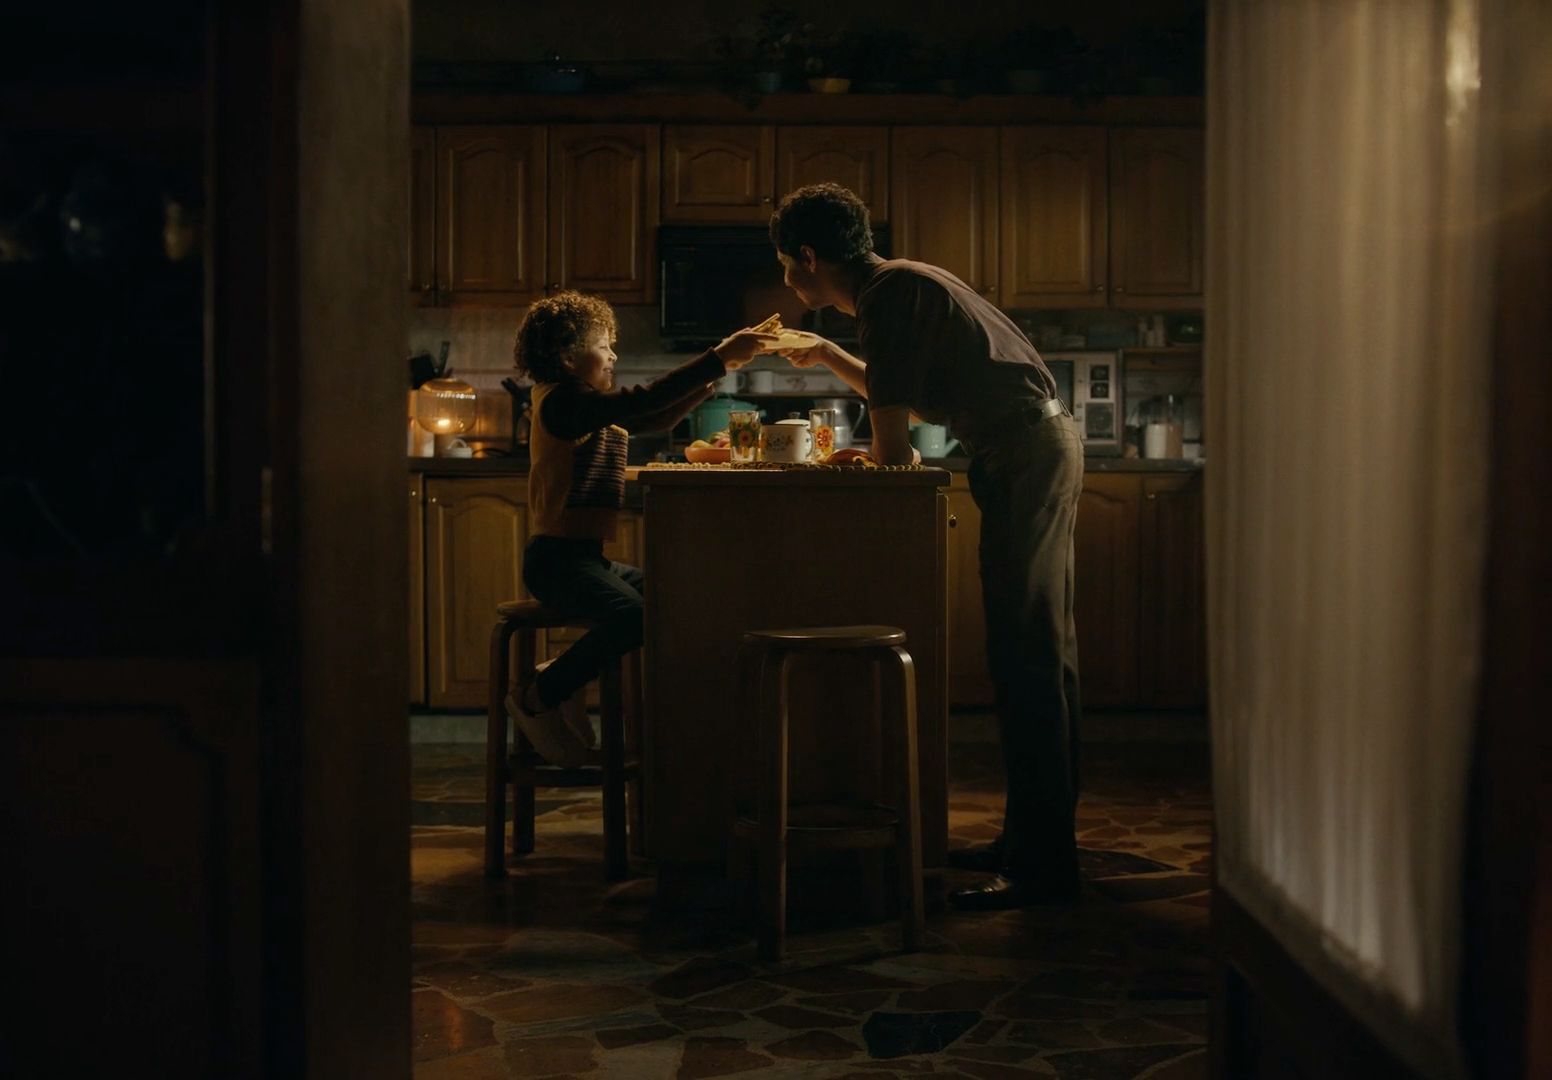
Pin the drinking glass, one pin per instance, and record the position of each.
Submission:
(744, 434)
(822, 423)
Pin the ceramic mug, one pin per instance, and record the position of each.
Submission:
(794, 381)
(786, 440)
(732, 382)
(761, 382)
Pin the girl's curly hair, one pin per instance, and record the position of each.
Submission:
(553, 327)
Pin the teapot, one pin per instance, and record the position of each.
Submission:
(845, 426)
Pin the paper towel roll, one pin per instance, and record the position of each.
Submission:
(1161, 441)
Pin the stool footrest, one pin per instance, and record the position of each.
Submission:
(815, 826)
(539, 773)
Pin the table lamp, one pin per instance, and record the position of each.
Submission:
(446, 408)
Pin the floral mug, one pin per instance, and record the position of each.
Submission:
(787, 440)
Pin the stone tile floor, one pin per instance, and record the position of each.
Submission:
(555, 973)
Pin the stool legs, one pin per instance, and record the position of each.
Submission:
(771, 875)
(908, 850)
(523, 792)
(611, 707)
(634, 697)
(496, 770)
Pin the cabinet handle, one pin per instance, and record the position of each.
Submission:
(552, 286)
(765, 199)
(1153, 494)
(433, 498)
(1120, 289)
(953, 522)
(1099, 288)
(989, 289)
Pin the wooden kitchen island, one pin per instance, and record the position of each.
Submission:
(730, 549)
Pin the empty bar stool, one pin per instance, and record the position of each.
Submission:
(776, 827)
(525, 770)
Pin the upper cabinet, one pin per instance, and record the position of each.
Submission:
(1054, 217)
(944, 200)
(490, 243)
(604, 210)
(718, 173)
(854, 157)
(422, 238)
(1156, 206)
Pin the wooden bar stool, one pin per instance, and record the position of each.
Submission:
(775, 827)
(525, 770)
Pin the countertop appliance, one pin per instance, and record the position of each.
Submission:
(1090, 384)
(715, 279)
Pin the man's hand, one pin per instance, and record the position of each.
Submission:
(742, 346)
(822, 353)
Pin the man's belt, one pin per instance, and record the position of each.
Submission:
(1021, 419)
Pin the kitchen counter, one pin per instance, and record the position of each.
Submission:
(519, 466)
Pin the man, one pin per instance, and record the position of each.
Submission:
(934, 347)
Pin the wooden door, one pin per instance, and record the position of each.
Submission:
(1053, 217)
(718, 173)
(604, 210)
(421, 262)
(944, 202)
(490, 240)
(1106, 589)
(969, 681)
(1172, 600)
(854, 157)
(1157, 209)
(417, 612)
(476, 530)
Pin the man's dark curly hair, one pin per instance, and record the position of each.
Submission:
(828, 218)
(554, 326)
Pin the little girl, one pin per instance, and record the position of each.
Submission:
(576, 487)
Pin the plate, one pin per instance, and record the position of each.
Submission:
(707, 455)
(794, 339)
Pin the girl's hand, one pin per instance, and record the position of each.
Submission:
(742, 346)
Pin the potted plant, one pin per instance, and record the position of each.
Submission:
(763, 57)
(827, 64)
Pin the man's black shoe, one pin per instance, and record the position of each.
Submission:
(1000, 893)
(982, 858)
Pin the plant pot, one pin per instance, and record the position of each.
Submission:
(829, 85)
(765, 82)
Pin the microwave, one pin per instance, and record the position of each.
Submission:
(714, 279)
(1090, 384)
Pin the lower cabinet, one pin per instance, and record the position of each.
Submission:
(467, 536)
(1140, 603)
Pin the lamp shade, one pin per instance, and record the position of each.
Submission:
(445, 406)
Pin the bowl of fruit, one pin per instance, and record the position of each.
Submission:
(713, 451)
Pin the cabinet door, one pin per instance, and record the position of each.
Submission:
(1105, 603)
(1156, 233)
(721, 173)
(604, 210)
(854, 157)
(417, 614)
(490, 215)
(1053, 217)
(943, 184)
(421, 262)
(475, 533)
(1172, 652)
(969, 682)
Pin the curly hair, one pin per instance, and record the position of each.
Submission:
(554, 326)
(828, 218)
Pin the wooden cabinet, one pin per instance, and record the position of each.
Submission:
(417, 613)
(854, 157)
(1140, 605)
(944, 202)
(1157, 209)
(603, 182)
(718, 173)
(421, 259)
(1105, 602)
(489, 237)
(1172, 594)
(1054, 217)
(476, 529)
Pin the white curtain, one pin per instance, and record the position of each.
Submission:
(1346, 380)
